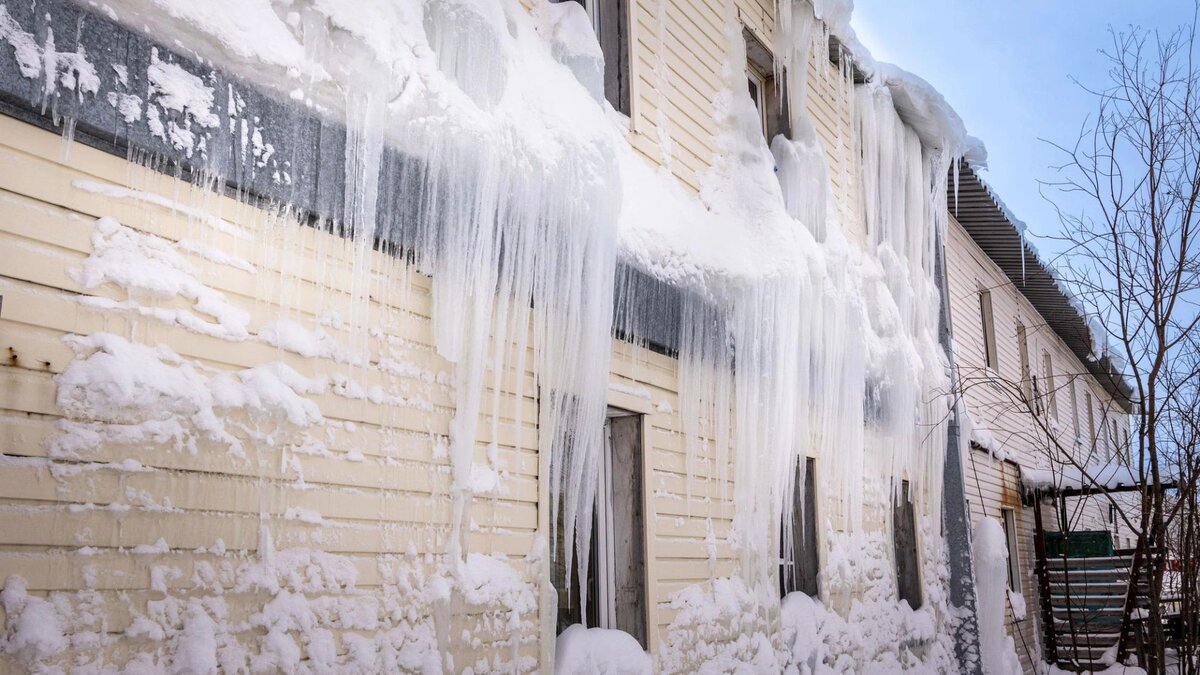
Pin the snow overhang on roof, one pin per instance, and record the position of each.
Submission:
(999, 234)
(1072, 481)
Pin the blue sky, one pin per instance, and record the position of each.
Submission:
(1006, 67)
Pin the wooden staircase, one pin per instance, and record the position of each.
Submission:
(1086, 601)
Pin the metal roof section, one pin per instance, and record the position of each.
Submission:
(995, 230)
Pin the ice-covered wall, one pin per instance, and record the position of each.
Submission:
(472, 127)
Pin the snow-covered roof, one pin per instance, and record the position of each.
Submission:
(1106, 477)
(1001, 236)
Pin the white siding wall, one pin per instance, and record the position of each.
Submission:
(992, 484)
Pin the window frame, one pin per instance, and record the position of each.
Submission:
(1023, 356)
(987, 318)
(908, 581)
(1075, 406)
(1048, 383)
(805, 536)
(1091, 413)
(601, 589)
(618, 82)
(758, 95)
(1008, 519)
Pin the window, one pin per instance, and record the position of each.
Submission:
(610, 20)
(1023, 352)
(989, 330)
(1009, 518)
(1112, 518)
(1075, 407)
(757, 83)
(1115, 440)
(904, 540)
(1048, 383)
(798, 571)
(1087, 400)
(766, 90)
(614, 594)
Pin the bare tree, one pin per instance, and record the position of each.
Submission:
(1127, 195)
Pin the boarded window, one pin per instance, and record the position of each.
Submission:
(990, 358)
(904, 540)
(610, 20)
(1091, 413)
(1023, 352)
(1009, 517)
(1048, 383)
(799, 570)
(1075, 407)
(614, 594)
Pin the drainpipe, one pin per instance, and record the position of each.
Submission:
(956, 522)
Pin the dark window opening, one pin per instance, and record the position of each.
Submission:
(615, 588)
(1009, 520)
(989, 330)
(765, 83)
(904, 540)
(800, 572)
(1023, 352)
(610, 20)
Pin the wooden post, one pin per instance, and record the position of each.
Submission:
(1043, 575)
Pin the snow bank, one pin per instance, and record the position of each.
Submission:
(997, 650)
(596, 651)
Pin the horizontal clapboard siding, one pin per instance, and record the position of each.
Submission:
(992, 484)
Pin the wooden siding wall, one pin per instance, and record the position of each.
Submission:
(992, 484)
(384, 507)
(678, 51)
(394, 502)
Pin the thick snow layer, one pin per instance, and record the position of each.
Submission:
(148, 269)
(925, 110)
(598, 651)
(1115, 669)
(1099, 476)
(997, 650)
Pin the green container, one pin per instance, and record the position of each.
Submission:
(1084, 544)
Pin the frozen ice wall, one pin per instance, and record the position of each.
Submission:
(798, 342)
(509, 175)
(521, 195)
(803, 343)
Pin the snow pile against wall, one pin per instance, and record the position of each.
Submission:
(999, 655)
(309, 597)
(875, 633)
(599, 651)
